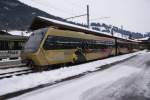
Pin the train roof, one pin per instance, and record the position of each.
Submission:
(144, 39)
(42, 22)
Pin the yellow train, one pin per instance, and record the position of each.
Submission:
(49, 46)
(60, 44)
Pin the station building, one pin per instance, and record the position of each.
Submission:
(11, 45)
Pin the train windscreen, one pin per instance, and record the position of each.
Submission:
(34, 41)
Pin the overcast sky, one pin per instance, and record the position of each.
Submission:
(134, 15)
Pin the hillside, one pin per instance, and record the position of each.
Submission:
(15, 15)
(113, 29)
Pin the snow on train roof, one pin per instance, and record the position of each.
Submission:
(74, 26)
(144, 39)
(42, 22)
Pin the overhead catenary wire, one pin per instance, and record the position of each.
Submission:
(74, 4)
(64, 11)
(77, 6)
(55, 8)
(76, 16)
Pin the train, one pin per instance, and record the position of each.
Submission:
(53, 43)
(11, 45)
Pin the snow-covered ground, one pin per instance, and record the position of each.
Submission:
(129, 80)
(17, 83)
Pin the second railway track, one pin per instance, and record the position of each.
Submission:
(14, 71)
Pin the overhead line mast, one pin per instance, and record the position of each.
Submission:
(88, 17)
(76, 16)
(87, 14)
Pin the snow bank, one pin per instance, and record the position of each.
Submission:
(17, 83)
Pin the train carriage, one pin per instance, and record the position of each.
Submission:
(124, 46)
(56, 43)
(48, 46)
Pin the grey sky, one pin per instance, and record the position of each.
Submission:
(134, 15)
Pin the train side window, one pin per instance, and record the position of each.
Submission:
(48, 43)
(58, 42)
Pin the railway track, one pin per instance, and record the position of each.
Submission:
(20, 69)
(10, 71)
(12, 66)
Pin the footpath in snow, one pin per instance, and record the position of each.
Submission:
(128, 80)
(17, 83)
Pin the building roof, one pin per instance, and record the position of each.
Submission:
(13, 37)
(4, 33)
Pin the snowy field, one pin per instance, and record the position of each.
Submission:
(129, 80)
(17, 83)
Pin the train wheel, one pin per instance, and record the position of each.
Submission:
(31, 64)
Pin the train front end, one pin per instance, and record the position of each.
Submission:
(32, 53)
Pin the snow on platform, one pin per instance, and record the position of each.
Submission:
(128, 80)
(17, 83)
